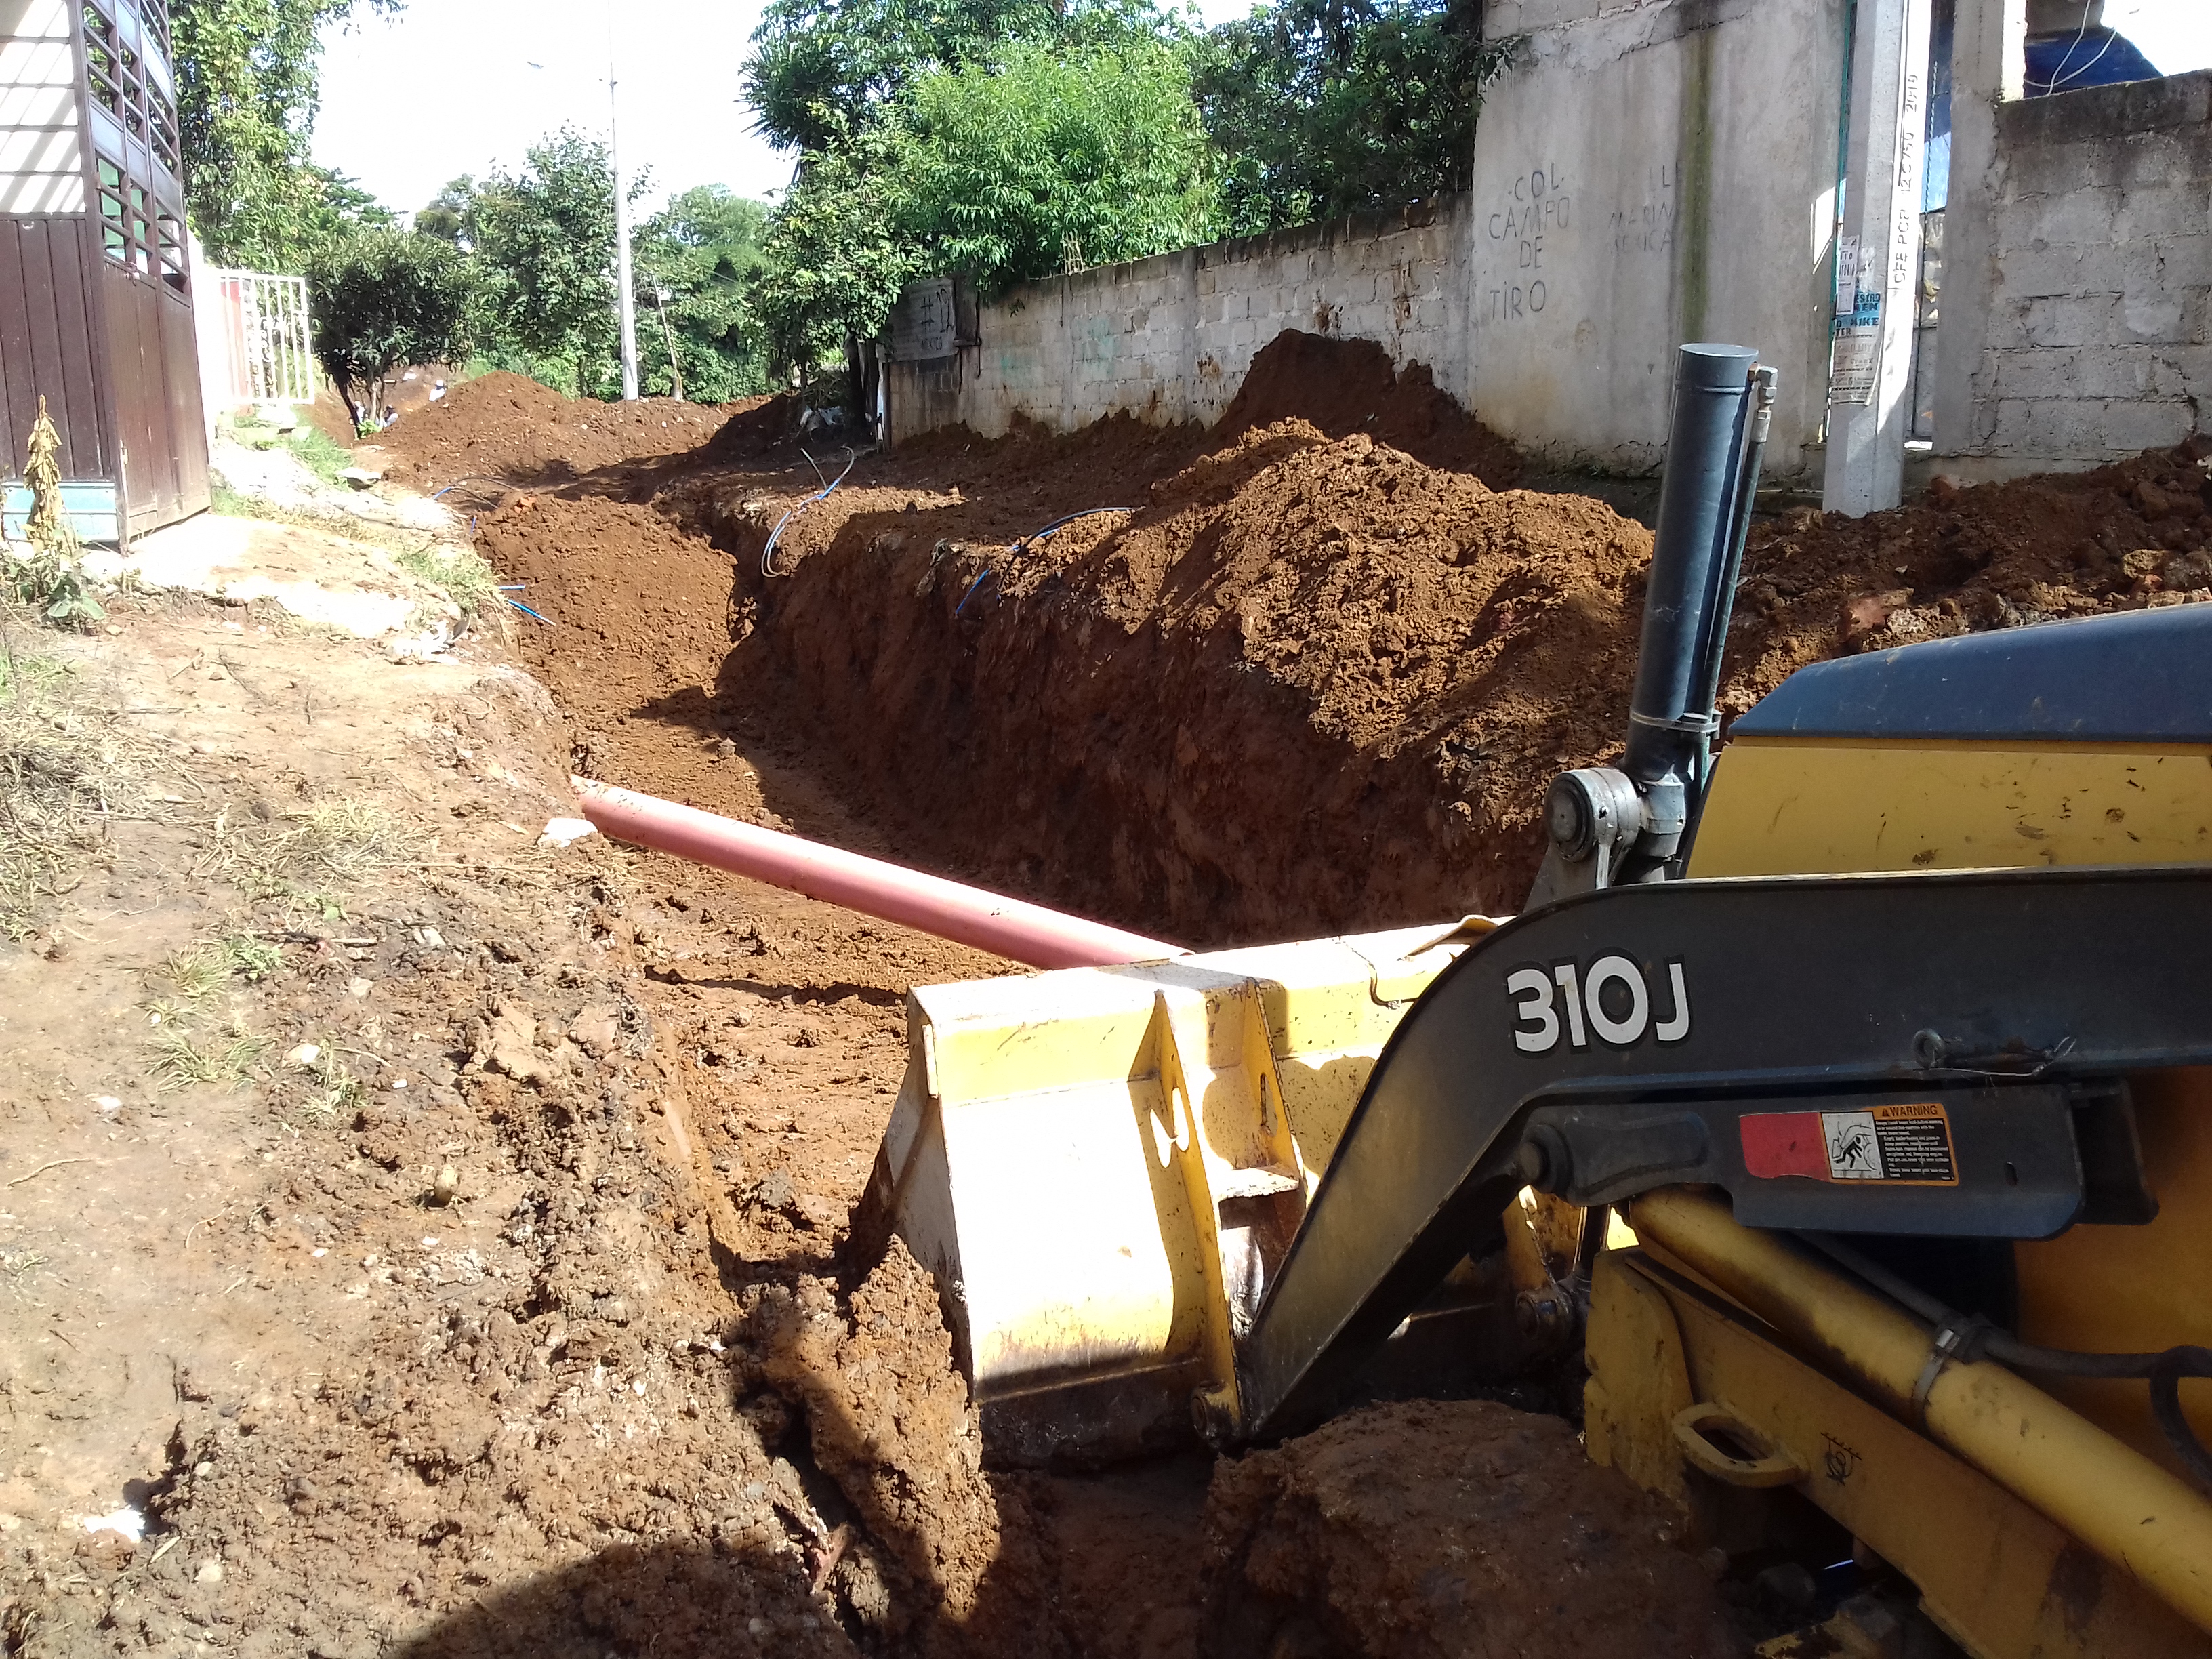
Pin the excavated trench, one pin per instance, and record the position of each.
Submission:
(1314, 676)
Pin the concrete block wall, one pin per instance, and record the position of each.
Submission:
(2091, 330)
(1647, 173)
(1170, 338)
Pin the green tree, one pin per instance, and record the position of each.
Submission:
(877, 96)
(247, 87)
(1323, 107)
(382, 298)
(447, 217)
(1052, 159)
(834, 256)
(696, 262)
(823, 70)
(545, 237)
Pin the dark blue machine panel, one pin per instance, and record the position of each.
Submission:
(2139, 676)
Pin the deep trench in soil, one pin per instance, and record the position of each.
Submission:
(1311, 674)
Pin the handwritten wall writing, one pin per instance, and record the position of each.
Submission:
(1524, 226)
(1648, 227)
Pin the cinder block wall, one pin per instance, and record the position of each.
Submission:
(1169, 338)
(2096, 338)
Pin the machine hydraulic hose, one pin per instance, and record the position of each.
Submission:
(2115, 1500)
(1969, 1337)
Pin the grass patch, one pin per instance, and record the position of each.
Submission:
(226, 1057)
(196, 974)
(301, 856)
(459, 569)
(334, 1088)
(200, 972)
(468, 579)
(67, 768)
(319, 453)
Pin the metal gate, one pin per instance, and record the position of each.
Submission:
(265, 354)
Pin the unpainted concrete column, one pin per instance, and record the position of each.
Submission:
(1988, 65)
(1881, 208)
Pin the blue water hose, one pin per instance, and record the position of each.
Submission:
(768, 553)
(1031, 540)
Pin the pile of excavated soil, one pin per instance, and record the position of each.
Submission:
(1961, 561)
(1346, 387)
(1459, 1530)
(1306, 685)
(509, 428)
(1309, 685)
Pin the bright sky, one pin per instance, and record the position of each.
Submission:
(448, 86)
(2176, 35)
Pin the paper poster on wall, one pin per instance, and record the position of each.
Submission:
(1847, 274)
(1854, 355)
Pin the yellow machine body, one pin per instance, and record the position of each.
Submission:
(1104, 1166)
(1842, 805)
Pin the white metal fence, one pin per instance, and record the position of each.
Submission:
(262, 353)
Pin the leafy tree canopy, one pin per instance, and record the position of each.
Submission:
(999, 137)
(1052, 159)
(696, 262)
(545, 237)
(384, 298)
(1323, 107)
(247, 87)
(823, 69)
(835, 257)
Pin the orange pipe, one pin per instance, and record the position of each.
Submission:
(1006, 926)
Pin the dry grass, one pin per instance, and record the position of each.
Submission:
(303, 854)
(227, 1056)
(69, 768)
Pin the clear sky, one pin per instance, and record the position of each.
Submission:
(445, 87)
(2176, 35)
(448, 86)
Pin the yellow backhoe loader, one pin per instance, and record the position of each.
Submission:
(1846, 1096)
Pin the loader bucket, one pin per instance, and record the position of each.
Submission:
(1104, 1167)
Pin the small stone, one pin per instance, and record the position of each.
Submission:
(304, 1056)
(358, 987)
(108, 1104)
(210, 1572)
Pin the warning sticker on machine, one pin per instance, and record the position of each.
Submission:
(1908, 1143)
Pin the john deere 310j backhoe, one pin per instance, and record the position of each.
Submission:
(1845, 1096)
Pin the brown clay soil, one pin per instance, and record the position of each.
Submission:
(507, 427)
(560, 1349)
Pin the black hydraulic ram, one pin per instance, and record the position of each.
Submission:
(1608, 825)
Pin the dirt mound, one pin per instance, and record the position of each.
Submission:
(1448, 1531)
(758, 425)
(1960, 561)
(1309, 686)
(889, 1422)
(1346, 386)
(509, 428)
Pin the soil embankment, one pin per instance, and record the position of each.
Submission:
(1304, 683)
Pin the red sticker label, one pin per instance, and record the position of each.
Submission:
(1907, 1145)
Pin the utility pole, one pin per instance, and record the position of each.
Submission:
(1870, 381)
(625, 301)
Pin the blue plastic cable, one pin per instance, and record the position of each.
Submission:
(768, 553)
